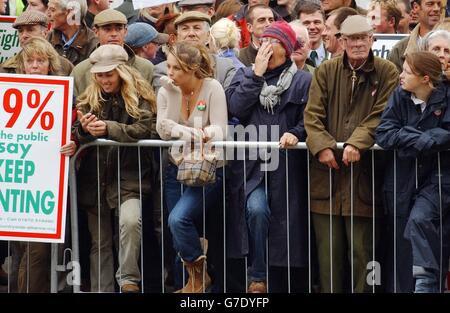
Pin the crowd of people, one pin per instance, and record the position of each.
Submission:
(285, 71)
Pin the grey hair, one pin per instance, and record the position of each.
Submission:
(425, 41)
(68, 4)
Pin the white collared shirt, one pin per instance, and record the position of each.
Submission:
(418, 101)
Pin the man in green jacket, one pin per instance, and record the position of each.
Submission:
(347, 96)
(110, 27)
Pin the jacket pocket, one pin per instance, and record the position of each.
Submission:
(319, 181)
(364, 186)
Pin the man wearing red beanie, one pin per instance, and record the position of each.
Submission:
(271, 95)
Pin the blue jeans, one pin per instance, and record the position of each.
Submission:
(426, 280)
(257, 214)
(185, 207)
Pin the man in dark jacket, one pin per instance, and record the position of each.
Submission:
(348, 94)
(270, 96)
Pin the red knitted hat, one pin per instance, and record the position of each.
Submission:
(284, 33)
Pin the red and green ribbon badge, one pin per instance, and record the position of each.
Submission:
(201, 105)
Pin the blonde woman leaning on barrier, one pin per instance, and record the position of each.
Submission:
(190, 100)
(38, 58)
(118, 105)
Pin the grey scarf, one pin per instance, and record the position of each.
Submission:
(270, 95)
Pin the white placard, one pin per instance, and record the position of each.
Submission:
(35, 122)
(9, 39)
(384, 43)
(139, 4)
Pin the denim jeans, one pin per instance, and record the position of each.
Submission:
(185, 207)
(426, 280)
(257, 214)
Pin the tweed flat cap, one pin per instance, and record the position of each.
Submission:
(31, 17)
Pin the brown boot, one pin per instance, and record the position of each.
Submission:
(199, 279)
(257, 287)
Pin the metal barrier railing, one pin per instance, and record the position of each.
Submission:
(75, 249)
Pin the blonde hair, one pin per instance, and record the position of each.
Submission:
(41, 47)
(224, 34)
(193, 57)
(133, 87)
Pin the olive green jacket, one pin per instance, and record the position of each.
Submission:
(121, 127)
(333, 115)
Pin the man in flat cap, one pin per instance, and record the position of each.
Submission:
(110, 27)
(69, 36)
(29, 24)
(347, 96)
(194, 27)
(204, 6)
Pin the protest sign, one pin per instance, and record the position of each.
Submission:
(139, 4)
(35, 121)
(9, 39)
(384, 43)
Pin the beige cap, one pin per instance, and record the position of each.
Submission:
(107, 57)
(355, 24)
(192, 16)
(30, 17)
(110, 16)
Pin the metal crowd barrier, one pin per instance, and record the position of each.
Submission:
(74, 265)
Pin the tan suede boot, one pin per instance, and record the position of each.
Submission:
(199, 279)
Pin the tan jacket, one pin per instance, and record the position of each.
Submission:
(334, 115)
(406, 45)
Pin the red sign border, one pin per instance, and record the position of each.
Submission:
(65, 84)
(7, 19)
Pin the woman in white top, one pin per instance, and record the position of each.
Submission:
(191, 107)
